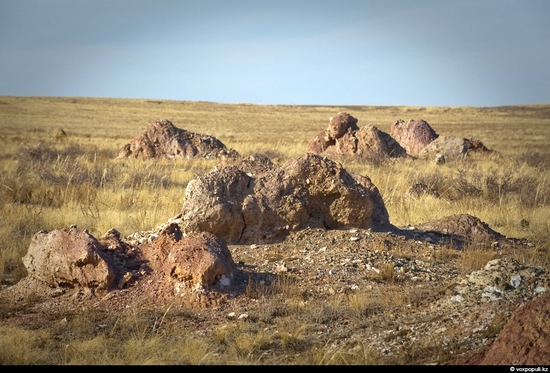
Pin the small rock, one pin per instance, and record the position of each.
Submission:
(515, 281)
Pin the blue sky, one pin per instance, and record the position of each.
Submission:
(344, 52)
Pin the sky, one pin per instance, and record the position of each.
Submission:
(291, 52)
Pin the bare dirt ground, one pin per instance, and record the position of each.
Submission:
(412, 297)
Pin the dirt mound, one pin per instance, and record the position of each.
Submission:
(343, 138)
(462, 227)
(309, 191)
(525, 339)
(413, 135)
(162, 139)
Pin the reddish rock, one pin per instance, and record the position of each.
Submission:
(191, 262)
(163, 140)
(320, 143)
(462, 227)
(367, 143)
(525, 339)
(199, 261)
(413, 135)
(344, 139)
(380, 216)
(341, 124)
(69, 257)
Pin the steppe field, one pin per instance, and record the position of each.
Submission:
(58, 167)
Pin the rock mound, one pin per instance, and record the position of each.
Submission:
(309, 191)
(413, 135)
(190, 262)
(69, 257)
(341, 124)
(162, 139)
(525, 338)
(462, 227)
(503, 279)
(343, 138)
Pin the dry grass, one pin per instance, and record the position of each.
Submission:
(57, 168)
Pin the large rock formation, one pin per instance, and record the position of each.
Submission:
(413, 135)
(163, 140)
(69, 257)
(343, 138)
(309, 191)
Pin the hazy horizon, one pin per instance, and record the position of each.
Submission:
(482, 53)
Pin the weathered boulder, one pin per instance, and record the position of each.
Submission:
(69, 257)
(199, 261)
(368, 143)
(413, 135)
(190, 262)
(380, 215)
(343, 138)
(309, 191)
(525, 338)
(162, 139)
(449, 146)
(320, 143)
(341, 124)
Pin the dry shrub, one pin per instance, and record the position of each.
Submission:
(19, 346)
(538, 160)
(474, 258)
(283, 284)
